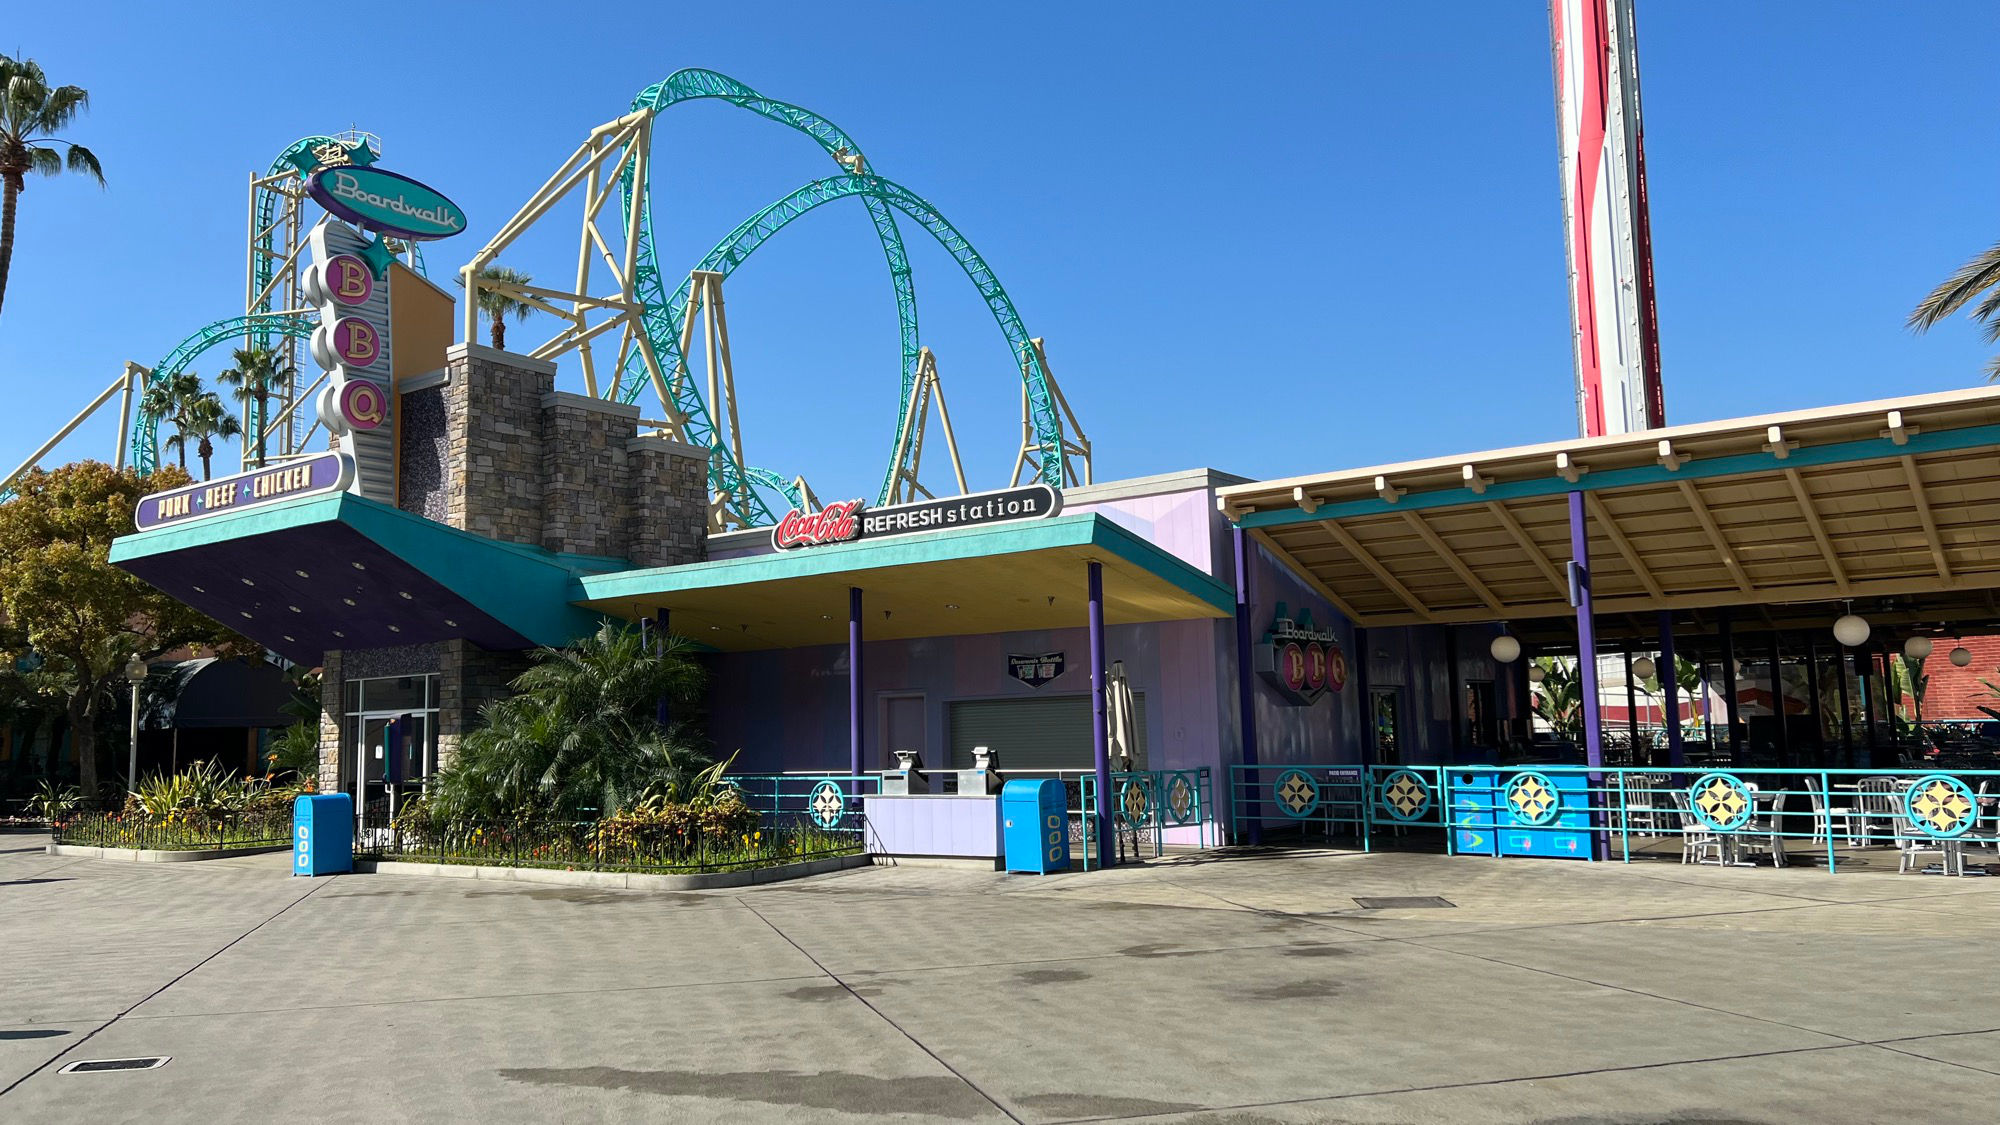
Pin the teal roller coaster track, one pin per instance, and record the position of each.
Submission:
(883, 198)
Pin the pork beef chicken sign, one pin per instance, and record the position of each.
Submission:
(849, 520)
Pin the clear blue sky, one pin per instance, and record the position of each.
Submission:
(1271, 239)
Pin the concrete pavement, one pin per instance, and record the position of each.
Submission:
(1206, 989)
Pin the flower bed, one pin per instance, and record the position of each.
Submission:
(611, 844)
(259, 829)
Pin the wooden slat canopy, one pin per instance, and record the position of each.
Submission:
(1880, 499)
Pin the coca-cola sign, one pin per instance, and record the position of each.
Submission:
(835, 523)
(848, 520)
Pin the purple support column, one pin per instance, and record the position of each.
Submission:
(1100, 737)
(854, 758)
(663, 710)
(1586, 665)
(1246, 691)
(1670, 686)
(1586, 633)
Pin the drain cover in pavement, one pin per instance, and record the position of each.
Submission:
(153, 1063)
(1417, 903)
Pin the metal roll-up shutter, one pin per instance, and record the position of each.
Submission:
(1044, 733)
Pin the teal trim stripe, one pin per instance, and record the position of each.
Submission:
(524, 588)
(1868, 449)
(1089, 530)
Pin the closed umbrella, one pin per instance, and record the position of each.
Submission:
(1119, 719)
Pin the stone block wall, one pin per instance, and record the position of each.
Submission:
(528, 464)
(585, 472)
(331, 666)
(493, 442)
(667, 522)
(471, 677)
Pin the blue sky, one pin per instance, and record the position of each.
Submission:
(1271, 239)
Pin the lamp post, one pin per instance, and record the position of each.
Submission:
(135, 672)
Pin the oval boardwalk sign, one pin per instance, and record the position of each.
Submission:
(387, 203)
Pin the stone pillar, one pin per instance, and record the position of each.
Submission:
(493, 442)
(667, 523)
(585, 482)
(469, 678)
(330, 722)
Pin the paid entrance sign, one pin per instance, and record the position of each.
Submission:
(849, 520)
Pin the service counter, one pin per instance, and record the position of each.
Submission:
(940, 826)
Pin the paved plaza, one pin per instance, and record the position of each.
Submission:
(1215, 989)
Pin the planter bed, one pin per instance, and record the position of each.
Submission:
(619, 880)
(148, 855)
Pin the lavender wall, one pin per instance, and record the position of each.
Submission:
(786, 709)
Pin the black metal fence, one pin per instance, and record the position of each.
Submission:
(115, 828)
(607, 845)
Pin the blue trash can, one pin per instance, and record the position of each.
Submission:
(1034, 817)
(323, 834)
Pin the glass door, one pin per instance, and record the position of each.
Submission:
(1388, 748)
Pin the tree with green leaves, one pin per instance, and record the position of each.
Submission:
(258, 375)
(31, 112)
(82, 616)
(500, 307)
(169, 400)
(1558, 698)
(580, 735)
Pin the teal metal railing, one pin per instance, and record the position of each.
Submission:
(1696, 814)
(831, 801)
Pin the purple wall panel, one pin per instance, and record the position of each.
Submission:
(786, 709)
(933, 826)
(1324, 731)
(1183, 524)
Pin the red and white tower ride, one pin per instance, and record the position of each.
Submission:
(1606, 232)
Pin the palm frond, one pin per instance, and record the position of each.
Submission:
(1972, 278)
(60, 108)
(83, 161)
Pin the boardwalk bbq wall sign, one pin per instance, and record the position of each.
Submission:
(1300, 660)
(849, 520)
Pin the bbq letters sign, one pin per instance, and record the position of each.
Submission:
(849, 520)
(1301, 661)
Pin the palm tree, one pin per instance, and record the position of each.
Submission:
(29, 112)
(580, 735)
(169, 400)
(500, 306)
(255, 378)
(208, 418)
(1980, 275)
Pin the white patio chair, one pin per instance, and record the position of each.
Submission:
(1879, 801)
(1825, 813)
(1697, 839)
(1766, 833)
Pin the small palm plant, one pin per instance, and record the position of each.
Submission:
(580, 736)
(501, 306)
(258, 375)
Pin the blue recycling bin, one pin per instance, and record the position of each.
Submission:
(1034, 818)
(323, 834)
